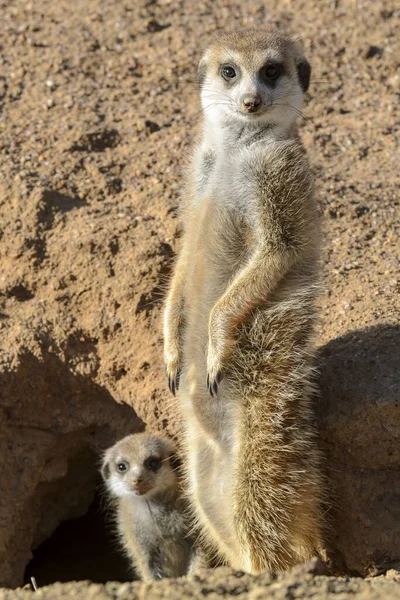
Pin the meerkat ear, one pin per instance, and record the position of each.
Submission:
(105, 470)
(304, 73)
(201, 71)
(175, 462)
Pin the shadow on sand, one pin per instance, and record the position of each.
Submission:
(359, 416)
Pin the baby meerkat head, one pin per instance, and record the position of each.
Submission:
(139, 465)
(253, 76)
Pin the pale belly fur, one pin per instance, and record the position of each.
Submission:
(210, 423)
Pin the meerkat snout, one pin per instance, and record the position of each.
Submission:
(251, 103)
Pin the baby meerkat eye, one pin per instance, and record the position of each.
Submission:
(122, 466)
(273, 71)
(153, 463)
(228, 72)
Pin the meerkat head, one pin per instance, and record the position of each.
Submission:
(253, 76)
(139, 465)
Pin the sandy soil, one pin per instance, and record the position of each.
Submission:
(99, 111)
(304, 581)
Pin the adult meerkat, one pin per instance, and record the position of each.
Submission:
(151, 522)
(239, 314)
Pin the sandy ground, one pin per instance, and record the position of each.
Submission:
(99, 112)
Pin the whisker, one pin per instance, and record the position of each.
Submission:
(205, 108)
(296, 110)
(300, 113)
(217, 93)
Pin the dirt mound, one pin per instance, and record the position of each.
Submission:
(98, 108)
(304, 581)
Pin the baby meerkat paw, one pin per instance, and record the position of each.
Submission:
(173, 372)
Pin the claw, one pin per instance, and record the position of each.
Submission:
(173, 382)
(213, 383)
(210, 385)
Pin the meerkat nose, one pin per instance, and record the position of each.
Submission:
(251, 102)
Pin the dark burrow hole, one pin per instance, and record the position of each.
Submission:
(85, 548)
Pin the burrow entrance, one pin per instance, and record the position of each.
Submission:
(79, 549)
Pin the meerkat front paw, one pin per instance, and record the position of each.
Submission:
(213, 381)
(220, 347)
(172, 358)
(215, 371)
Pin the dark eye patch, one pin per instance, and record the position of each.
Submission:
(153, 463)
(304, 73)
(271, 72)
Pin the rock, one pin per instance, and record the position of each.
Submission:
(151, 126)
(373, 51)
(154, 26)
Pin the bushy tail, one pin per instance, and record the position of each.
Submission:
(278, 484)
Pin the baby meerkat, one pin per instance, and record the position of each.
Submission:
(239, 316)
(138, 472)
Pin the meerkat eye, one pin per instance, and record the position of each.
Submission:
(153, 463)
(273, 71)
(228, 72)
(122, 466)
